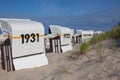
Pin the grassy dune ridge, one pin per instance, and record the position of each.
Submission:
(95, 42)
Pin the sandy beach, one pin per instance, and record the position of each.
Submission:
(63, 67)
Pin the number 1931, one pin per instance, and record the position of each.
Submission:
(29, 38)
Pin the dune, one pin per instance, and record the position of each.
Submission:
(63, 67)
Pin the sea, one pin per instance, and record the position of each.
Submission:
(79, 26)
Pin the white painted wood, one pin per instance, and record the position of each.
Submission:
(14, 28)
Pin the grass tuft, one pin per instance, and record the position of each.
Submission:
(100, 50)
(84, 47)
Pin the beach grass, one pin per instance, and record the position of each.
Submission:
(100, 50)
(84, 47)
(115, 32)
(95, 42)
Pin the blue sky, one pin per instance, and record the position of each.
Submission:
(54, 7)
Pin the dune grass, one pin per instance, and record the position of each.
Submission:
(97, 39)
(100, 50)
(115, 32)
(100, 37)
(84, 47)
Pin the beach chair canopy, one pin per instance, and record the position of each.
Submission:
(27, 42)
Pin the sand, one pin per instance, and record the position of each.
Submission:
(63, 67)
